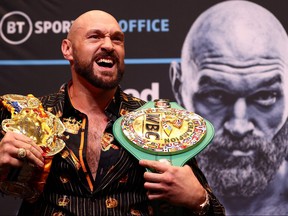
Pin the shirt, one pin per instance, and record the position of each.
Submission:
(118, 188)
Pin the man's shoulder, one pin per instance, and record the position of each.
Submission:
(54, 101)
(130, 102)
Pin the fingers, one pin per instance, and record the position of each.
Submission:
(33, 154)
(11, 155)
(27, 142)
(155, 182)
(155, 190)
(176, 185)
(154, 195)
(155, 166)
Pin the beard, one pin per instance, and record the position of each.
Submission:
(243, 175)
(86, 71)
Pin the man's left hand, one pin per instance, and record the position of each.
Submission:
(176, 185)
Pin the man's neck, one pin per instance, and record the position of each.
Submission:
(88, 100)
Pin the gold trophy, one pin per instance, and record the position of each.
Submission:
(28, 117)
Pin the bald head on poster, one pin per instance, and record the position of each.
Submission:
(233, 72)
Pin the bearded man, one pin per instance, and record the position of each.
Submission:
(85, 177)
(234, 73)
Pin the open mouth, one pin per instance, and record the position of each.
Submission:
(236, 153)
(105, 62)
(239, 153)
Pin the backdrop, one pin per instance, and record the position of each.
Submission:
(31, 33)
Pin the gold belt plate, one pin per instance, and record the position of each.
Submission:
(163, 130)
(28, 117)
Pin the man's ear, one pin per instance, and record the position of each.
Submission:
(175, 79)
(66, 48)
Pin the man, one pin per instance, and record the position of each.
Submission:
(234, 73)
(88, 177)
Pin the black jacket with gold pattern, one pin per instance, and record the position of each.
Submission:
(118, 188)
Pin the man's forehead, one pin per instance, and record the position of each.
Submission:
(99, 28)
(254, 65)
(99, 20)
(244, 81)
(232, 72)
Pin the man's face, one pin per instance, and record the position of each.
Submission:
(246, 106)
(98, 51)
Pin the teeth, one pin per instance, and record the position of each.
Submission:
(241, 153)
(107, 61)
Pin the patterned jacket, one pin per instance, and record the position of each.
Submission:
(118, 188)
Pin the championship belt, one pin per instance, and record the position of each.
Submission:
(28, 117)
(163, 131)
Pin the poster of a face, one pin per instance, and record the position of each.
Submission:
(225, 60)
(233, 71)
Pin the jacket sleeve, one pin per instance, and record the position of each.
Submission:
(215, 207)
(4, 114)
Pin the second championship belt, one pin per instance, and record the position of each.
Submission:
(163, 131)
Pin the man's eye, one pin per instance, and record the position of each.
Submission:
(215, 97)
(118, 40)
(95, 36)
(265, 98)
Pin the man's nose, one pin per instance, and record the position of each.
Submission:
(238, 124)
(107, 43)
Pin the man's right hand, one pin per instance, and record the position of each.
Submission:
(9, 151)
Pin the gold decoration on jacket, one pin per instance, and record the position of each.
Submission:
(111, 202)
(71, 125)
